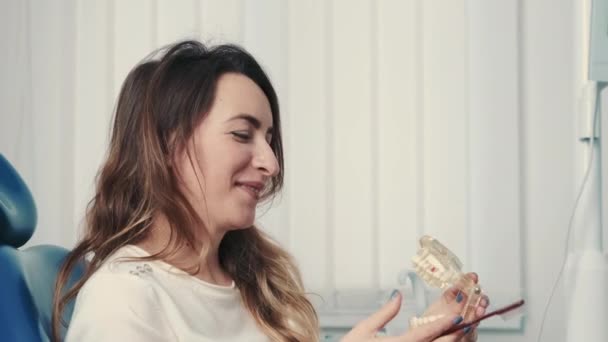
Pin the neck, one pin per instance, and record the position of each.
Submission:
(187, 257)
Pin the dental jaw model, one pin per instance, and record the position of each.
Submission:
(440, 268)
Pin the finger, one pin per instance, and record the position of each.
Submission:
(473, 276)
(470, 336)
(461, 335)
(432, 330)
(453, 294)
(480, 311)
(485, 301)
(381, 317)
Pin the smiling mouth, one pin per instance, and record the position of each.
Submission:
(252, 190)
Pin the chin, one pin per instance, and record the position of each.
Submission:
(244, 223)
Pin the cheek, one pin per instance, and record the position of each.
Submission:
(222, 166)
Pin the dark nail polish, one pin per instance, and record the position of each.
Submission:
(458, 319)
(467, 330)
(459, 297)
(394, 294)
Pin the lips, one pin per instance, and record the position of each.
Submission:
(252, 188)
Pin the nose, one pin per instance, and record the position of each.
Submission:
(265, 160)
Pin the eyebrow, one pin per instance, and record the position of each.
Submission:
(252, 120)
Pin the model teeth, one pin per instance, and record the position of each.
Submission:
(439, 267)
(418, 321)
(431, 271)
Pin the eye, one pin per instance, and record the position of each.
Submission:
(242, 136)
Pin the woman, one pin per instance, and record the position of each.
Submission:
(171, 250)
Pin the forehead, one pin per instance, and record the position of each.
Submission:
(237, 94)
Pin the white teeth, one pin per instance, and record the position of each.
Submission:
(418, 321)
(252, 188)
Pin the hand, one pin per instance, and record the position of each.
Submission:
(367, 329)
(449, 304)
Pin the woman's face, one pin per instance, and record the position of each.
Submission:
(231, 155)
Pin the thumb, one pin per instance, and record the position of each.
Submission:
(379, 319)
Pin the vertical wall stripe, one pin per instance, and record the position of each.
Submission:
(373, 111)
(34, 180)
(421, 217)
(154, 24)
(198, 26)
(444, 150)
(25, 89)
(111, 63)
(27, 105)
(396, 115)
(493, 234)
(92, 96)
(352, 143)
(523, 193)
(329, 131)
(265, 26)
(307, 155)
(67, 107)
(242, 18)
(284, 36)
(467, 135)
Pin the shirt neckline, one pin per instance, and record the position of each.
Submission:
(181, 273)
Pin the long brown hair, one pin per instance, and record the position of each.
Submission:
(161, 102)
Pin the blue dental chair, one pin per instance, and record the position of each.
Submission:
(27, 276)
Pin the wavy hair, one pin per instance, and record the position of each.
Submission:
(159, 106)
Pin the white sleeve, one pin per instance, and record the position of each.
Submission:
(117, 307)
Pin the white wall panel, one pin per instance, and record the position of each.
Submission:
(265, 37)
(135, 36)
(352, 115)
(94, 97)
(494, 140)
(16, 117)
(52, 44)
(16, 88)
(309, 123)
(445, 126)
(548, 157)
(604, 166)
(398, 135)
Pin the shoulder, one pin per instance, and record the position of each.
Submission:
(111, 296)
(118, 301)
(114, 287)
(126, 260)
(122, 278)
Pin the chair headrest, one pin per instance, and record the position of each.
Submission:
(18, 215)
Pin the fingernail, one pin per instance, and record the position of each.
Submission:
(459, 297)
(458, 319)
(394, 294)
(467, 330)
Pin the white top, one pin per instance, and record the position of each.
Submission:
(154, 301)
